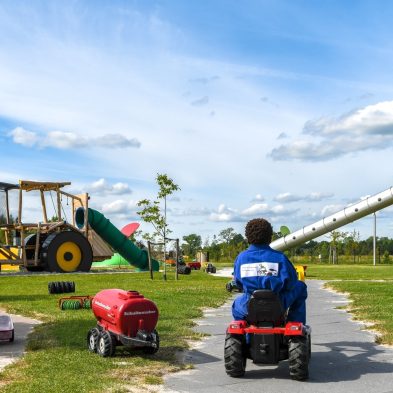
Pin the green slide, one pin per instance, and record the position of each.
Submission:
(120, 243)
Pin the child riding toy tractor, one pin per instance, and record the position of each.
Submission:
(267, 338)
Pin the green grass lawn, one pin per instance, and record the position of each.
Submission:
(57, 358)
(370, 290)
(349, 272)
(371, 302)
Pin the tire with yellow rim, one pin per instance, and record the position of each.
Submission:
(67, 252)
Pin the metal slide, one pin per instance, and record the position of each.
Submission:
(120, 243)
(349, 214)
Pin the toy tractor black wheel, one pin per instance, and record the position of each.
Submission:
(106, 345)
(67, 251)
(298, 349)
(152, 350)
(234, 355)
(92, 338)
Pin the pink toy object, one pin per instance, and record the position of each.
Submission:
(129, 229)
(6, 328)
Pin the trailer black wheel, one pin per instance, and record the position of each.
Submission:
(67, 251)
(106, 345)
(92, 338)
(234, 355)
(298, 349)
(151, 350)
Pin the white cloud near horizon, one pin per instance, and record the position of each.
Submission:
(367, 128)
(69, 140)
(312, 197)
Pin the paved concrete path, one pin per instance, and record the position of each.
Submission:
(344, 357)
(10, 352)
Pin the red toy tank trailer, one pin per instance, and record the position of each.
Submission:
(266, 338)
(123, 318)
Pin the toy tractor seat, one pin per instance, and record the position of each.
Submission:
(265, 309)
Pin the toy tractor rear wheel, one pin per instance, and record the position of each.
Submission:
(234, 355)
(106, 345)
(92, 338)
(152, 350)
(299, 357)
(66, 252)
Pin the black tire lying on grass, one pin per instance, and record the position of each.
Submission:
(61, 287)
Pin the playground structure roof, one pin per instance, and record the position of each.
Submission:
(8, 186)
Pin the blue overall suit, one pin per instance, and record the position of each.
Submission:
(261, 267)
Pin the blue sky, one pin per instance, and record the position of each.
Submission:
(280, 109)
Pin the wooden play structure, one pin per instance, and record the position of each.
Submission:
(51, 244)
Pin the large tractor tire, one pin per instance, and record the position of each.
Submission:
(234, 355)
(66, 252)
(299, 357)
(30, 252)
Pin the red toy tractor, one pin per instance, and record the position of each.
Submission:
(266, 338)
(123, 318)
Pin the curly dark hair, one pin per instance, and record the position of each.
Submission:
(259, 231)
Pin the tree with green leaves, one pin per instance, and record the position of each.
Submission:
(336, 238)
(194, 243)
(154, 213)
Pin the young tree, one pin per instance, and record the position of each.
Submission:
(152, 211)
(336, 238)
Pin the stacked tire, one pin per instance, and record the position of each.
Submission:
(61, 287)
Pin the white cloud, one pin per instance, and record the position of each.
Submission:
(23, 137)
(119, 206)
(63, 140)
(258, 208)
(287, 197)
(225, 214)
(368, 128)
(194, 211)
(312, 197)
(258, 198)
(101, 186)
(70, 140)
(121, 188)
(331, 209)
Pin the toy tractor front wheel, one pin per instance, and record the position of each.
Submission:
(234, 355)
(299, 356)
